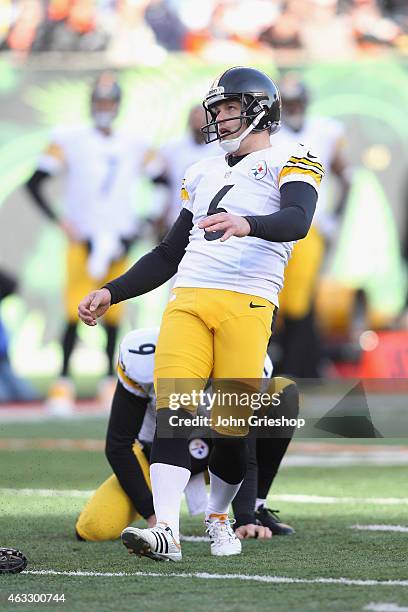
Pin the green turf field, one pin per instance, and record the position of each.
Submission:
(325, 546)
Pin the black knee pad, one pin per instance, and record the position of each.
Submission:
(171, 440)
(229, 458)
(174, 423)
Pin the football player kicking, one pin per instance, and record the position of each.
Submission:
(230, 264)
(126, 495)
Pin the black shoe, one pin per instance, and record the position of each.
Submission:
(269, 518)
(12, 561)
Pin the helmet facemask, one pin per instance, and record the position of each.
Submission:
(251, 108)
(103, 115)
(260, 106)
(105, 101)
(294, 102)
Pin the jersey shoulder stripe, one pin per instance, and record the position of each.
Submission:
(129, 384)
(301, 165)
(185, 196)
(296, 170)
(306, 161)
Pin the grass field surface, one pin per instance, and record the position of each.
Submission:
(350, 550)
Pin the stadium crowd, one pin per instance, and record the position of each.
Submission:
(319, 28)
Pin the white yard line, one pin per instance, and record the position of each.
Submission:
(385, 607)
(318, 499)
(399, 528)
(332, 460)
(244, 577)
(15, 413)
(186, 538)
(296, 499)
(47, 492)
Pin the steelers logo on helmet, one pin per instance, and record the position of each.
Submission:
(260, 105)
(198, 448)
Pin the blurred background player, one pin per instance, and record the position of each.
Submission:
(12, 387)
(175, 157)
(298, 337)
(126, 495)
(101, 167)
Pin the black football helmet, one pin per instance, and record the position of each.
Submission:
(295, 98)
(259, 96)
(106, 88)
(105, 100)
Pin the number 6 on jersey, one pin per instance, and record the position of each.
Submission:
(213, 210)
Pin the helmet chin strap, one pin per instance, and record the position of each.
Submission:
(230, 146)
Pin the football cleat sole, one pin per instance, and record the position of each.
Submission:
(137, 546)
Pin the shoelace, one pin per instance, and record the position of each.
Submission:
(273, 512)
(221, 530)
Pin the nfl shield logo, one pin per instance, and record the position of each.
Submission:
(259, 170)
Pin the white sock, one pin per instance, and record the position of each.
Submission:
(168, 484)
(259, 502)
(221, 495)
(196, 494)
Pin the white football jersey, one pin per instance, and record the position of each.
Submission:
(251, 187)
(101, 174)
(177, 156)
(135, 372)
(323, 135)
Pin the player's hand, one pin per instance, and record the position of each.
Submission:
(231, 225)
(94, 305)
(246, 532)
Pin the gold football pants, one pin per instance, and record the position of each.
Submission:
(301, 276)
(79, 283)
(210, 332)
(109, 511)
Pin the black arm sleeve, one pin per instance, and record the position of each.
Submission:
(126, 419)
(33, 186)
(158, 266)
(243, 504)
(293, 220)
